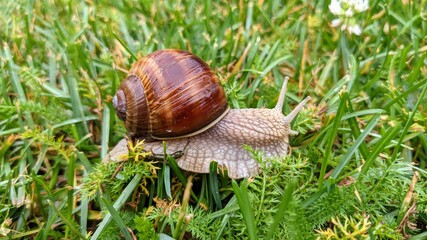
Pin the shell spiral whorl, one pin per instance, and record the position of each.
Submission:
(170, 94)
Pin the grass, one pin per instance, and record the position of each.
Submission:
(357, 169)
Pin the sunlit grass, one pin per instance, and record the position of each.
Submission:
(358, 168)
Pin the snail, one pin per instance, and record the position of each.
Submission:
(173, 96)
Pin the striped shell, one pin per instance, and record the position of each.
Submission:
(170, 94)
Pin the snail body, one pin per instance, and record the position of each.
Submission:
(265, 130)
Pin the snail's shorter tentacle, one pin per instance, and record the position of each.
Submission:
(297, 109)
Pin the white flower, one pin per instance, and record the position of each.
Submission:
(354, 29)
(335, 7)
(349, 13)
(336, 22)
(361, 5)
(348, 7)
(346, 10)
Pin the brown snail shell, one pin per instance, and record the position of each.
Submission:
(170, 94)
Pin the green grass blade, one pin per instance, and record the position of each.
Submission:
(345, 160)
(182, 223)
(355, 126)
(385, 55)
(84, 160)
(105, 132)
(242, 196)
(379, 147)
(70, 193)
(409, 122)
(165, 173)
(314, 197)
(332, 133)
(283, 206)
(76, 103)
(75, 121)
(84, 215)
(118, 204)
(404, 94)
(16, 84)
(163, 236)
(421, 236)
(226, 210)
(66, 220)
(178, 172)
(125, 46)
(324, 76)
(353, 114)
(116, 218)
(223, 226)
(249, 15)
(213, 183)
(167, 180)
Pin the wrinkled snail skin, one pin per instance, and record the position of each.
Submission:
(221, 137)
(264, 130)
